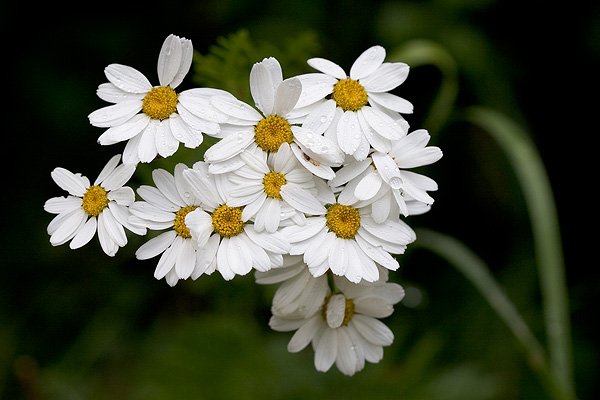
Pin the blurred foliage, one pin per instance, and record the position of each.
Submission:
(80, 325)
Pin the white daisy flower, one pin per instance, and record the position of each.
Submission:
(165, 207)
(273, 187)
(274, 121)
(228, 244)
(345, 330)
(100, 207)
(347, 240)
(155, 119)
(358, 112)
(385, 174)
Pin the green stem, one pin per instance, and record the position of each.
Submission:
(535, 185)
(477, 272)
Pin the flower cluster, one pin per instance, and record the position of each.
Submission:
(307, 187)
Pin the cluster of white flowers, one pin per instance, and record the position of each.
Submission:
(307, 186)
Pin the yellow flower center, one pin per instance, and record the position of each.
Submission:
(95, 200)
(349, 94)
(227, 221)
(160, 102)
(271, 132)
(179, 225)
(343, 220)
(273, 181)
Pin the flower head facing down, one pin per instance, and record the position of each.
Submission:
(357, 111)
(342, 324)
(154, 120)
(89, 208)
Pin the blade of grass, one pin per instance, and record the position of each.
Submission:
(477, 272)
(531, 174)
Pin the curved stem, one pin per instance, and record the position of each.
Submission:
(477, 272)
(535, 185)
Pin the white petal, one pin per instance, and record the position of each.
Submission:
(165, 182)
(373, 330)
(131, 150)
(206, 256)
(85, 234)
(124, 196)
(106, 241)
(186, 260)
(57, 205)
(119, 177)
(387, 169)
(286, 96)
(392, 102)
(236, 108)
(155, 197)
(124, 131)
(320, 118)
(350, 358)
(335, 311)
(326, 350)
(273, 242)
(223, 260)
(349, 132)
(253, 207)
(108, 169)
(349, 172)
(112, 94)
(145, 150)
(75, 184)
(377, 254)
(127, 78)
(262, 88)
(107, 221)
(166, 144)
(155, 246)
(315, 87)
(168, 258)
(229, 146)
(115, 115)
(327, 67)
(367, 62)
(382, 124)
(122, 215)
(387, 77)
(309, 229)
(70, 224)
(183, 133)
(200, 225)
(238, 256)
(368, 186)
(302, 200)
(169, 59)
(303, 336)
(338, 257)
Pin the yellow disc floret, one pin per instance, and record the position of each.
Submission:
(350, 95)
(160, 102)
(227, 221)
(95, 200)
(271, 132)
(343, 220)
(272, 182)
(179, 225)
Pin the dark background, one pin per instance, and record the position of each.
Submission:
(80, 323)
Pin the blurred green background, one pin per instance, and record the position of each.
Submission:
(81, 325)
